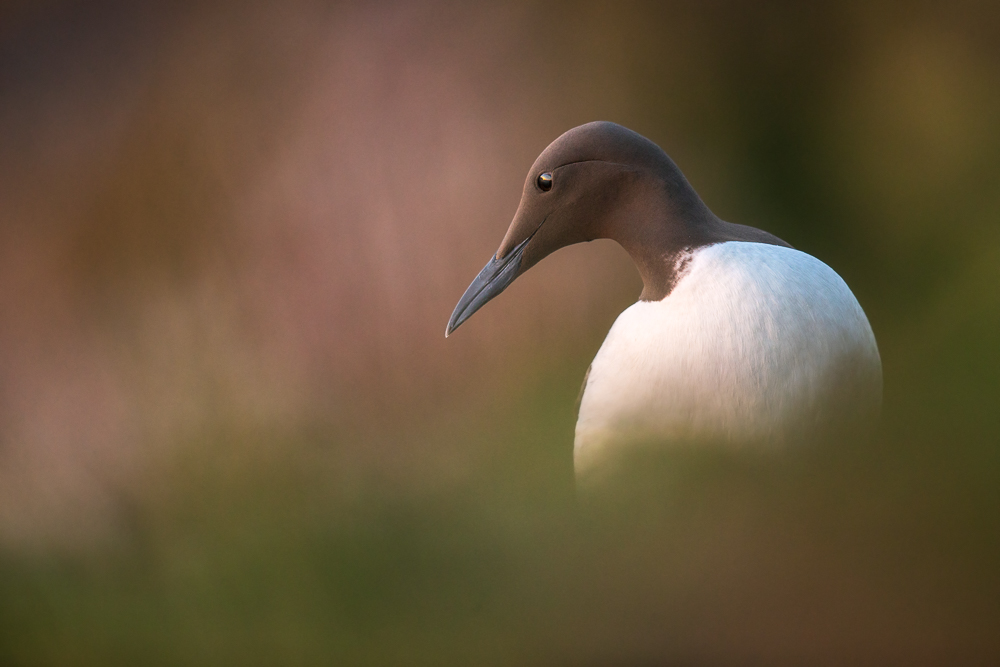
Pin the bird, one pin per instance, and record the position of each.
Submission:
(736, 338)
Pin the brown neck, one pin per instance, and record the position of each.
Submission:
(661, 228)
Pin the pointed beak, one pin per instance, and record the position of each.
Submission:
(493, 279)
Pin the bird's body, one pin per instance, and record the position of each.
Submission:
(756, 343)
(736, 338)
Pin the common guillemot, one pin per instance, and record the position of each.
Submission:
(736, 337)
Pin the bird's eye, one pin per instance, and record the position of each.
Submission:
(545, 182)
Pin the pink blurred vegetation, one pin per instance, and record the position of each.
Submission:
(261, 218)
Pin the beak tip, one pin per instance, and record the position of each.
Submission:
(493, 279)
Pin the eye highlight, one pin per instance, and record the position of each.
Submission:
(545, 182)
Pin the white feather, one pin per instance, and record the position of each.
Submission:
(755, 343)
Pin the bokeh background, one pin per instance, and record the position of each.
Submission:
(231, 430)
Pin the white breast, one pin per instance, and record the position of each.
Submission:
(756, 343)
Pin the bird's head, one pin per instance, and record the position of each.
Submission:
(584, 186)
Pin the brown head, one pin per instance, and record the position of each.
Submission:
(603, 181)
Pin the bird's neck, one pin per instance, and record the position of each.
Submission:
(662, 222)
(660, 227)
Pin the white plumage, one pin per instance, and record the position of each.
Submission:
(756, 343)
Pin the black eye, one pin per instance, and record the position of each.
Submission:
(545, 182)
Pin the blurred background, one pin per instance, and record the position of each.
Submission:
(231, 429)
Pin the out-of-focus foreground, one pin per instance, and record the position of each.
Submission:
(231, 430)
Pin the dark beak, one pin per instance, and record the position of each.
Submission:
(493, 279)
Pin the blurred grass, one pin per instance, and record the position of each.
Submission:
(249, 552)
